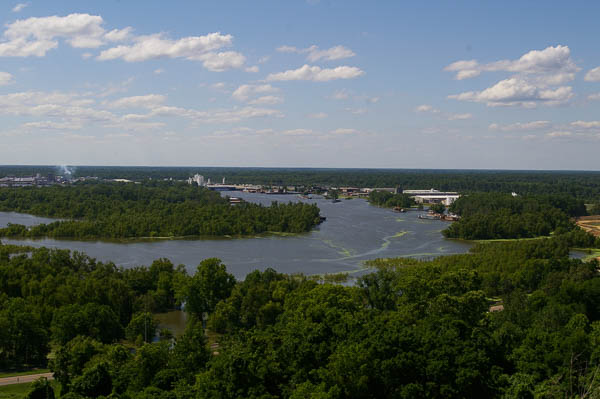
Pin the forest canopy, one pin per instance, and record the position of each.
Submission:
(411, 328)
(112, 210)
(502, 216)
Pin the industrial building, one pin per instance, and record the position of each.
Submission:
(433, 196)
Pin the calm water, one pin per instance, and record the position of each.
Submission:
(353, 232)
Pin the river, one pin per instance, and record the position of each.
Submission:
(353, 232)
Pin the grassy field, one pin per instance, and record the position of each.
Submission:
(18, 391)
(14, 391)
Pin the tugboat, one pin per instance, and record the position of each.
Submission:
(399, 209)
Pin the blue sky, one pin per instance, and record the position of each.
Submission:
(465, 84)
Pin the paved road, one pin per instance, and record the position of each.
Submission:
(21, 379)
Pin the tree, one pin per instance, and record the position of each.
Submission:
(143, 325)
(41, 389)
(438, 208)
(95, 381)
(210, 284)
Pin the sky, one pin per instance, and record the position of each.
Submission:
(301, 83)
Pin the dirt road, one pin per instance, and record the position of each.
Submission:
(21, 379)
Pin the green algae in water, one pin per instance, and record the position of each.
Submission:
(345, 252)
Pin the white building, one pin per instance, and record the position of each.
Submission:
(198, 179)
(433, 196)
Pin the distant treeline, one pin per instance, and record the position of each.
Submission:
(500, 216)
(584, 185)
(160, 209)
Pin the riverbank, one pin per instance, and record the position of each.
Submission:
(354, 232)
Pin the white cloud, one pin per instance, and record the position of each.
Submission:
(219, 86)
(533, 125)
(517, 92)
(529, 137)
(19, 7)
(147, 101)
(593, 75)
(317, 115)
(5, 78)
(317, 74)
(298, 132)
(219, 62)
(200, 48)
(555, 62)
(156, 46)
(135, 126)
(315, 54)
(425, 108)
(49, 125)
(559, 134)
(266, 100)
(253, 69)
(343, 132)
(244, 92)
(455, 117)
(340, 94)
(594, 96)
(214, 116)
(37, 35)
(72, 111)
(119, 35)
(159, 71)
(586, 124)
(535, 74)
(112, 88)
(357, 111)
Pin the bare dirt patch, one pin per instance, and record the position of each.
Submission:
(591, 224)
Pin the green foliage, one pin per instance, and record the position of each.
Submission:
(57, 295)
(210, 284)
(413, 328)
(23, 337)
(91, 319)
(389, 200)
(498, 216)
(142, 325)
(136, 211)
(438, 208)
(41, 389)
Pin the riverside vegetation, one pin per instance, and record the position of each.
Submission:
(410, 329)
(153, 209)
(503, 216)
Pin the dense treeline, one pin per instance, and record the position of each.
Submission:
(149, 210)
(51, 296)
(411, 329)
(390, 200)
(584, 185)
(500, 216)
